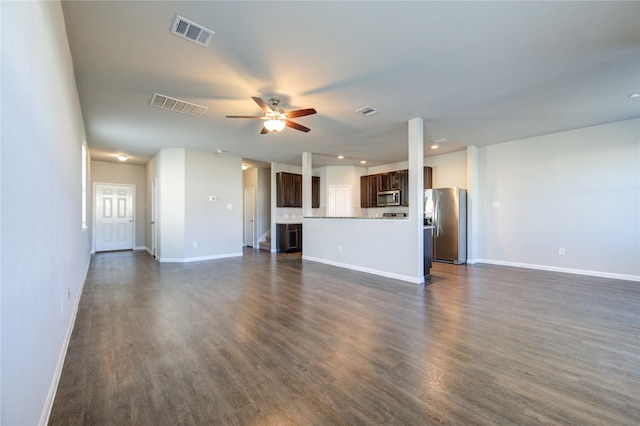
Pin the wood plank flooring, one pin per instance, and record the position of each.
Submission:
(270, 339)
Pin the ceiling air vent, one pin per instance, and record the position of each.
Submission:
(367, 111)
(176, 105)
(191, 31)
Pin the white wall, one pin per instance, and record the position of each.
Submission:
(216, 226)
(578, 190)
(448, 170)
(45, 251)
(128, 174)
(171, 175)
(186, 180)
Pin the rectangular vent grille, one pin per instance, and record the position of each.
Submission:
(193, 32)
(176, 105)
(367, 111)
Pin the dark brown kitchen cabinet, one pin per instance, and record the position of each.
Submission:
(383, 181)
(404, 187)
(364, 192)
(428, 178)
(369, 190)
(289, 237)
(289, 190)
(395, 179)
(315, 192)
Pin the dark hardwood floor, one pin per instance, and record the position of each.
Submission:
(273, 340)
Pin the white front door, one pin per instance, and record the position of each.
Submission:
(114, 217)
(249, 213)
(339, 204)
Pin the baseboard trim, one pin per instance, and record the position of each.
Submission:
(624, 277)
(413, 280)
(197, 259)
(51, 395)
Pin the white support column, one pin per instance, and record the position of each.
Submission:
(416, 187)
(306, 183)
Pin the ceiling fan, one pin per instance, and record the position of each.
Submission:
(275, 118)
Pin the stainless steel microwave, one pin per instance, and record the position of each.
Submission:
(389, 198)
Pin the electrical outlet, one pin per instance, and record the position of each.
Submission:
(561, 251)
(340, 249)
(68, 292)
(212, 198)
(195, 244)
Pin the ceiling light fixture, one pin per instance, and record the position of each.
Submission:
(274, 125)
(245, 167)
(122, 157)
(340, 157)
(435, 146)
(363, 162)
(634, 95)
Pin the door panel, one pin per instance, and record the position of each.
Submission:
(249, 219)
(114, 217)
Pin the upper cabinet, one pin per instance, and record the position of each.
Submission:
(315, 192)
(370, 185)
(289, 190)
(428, 178)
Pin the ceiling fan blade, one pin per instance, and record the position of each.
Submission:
(300, 112)
(262, 104)
(296, 126)
(264, 131)
(245, 116)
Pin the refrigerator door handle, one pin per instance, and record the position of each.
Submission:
(435, 216)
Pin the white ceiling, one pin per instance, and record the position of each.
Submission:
(478, 73)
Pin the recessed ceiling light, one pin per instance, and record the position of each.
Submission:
(122, 157)
(340, 157)
(435, 146)
(635, 95)
(363, 162)
(219, 151)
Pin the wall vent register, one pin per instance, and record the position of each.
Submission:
(191, 31)
(177, 105)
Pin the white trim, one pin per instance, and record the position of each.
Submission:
(386, 274)
(140, 248)
(51, 395)
(625, 277)
(197, 259)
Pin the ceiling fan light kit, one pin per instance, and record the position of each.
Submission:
(275, 118)
(274, 125)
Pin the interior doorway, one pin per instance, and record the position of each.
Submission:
(113, 226)
(249, 217)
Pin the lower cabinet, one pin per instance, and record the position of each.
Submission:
(289, 237)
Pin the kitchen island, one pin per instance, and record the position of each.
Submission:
(390, 247)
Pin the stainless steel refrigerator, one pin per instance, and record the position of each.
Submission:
(446, 210)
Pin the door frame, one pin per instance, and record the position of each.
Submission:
(94, 215)
(244, 217)
(154, 218)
